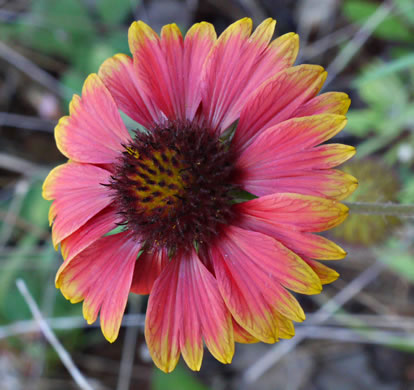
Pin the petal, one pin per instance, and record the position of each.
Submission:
(185, 306)
(78, 195)
(94, 131)
(294, 211)
(283, 159)
(91, 231)
(302, 243)
(327, 103)
(151, 67)
(162, 323)
(101, 275)
(147, 269)
(276, 100)
(293, 135)
(159, 66)
(241, 335)
(327, 183)
(250, 277)
(201, 294)
(320, 157)
(326, 275)
(197, 44)
(238, 64)
(285, 326)
(279, 55)
(118, 75)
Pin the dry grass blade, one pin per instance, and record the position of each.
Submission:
(52, 339)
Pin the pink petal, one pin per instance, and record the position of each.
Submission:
(327, 183)
(101, 275)
(238, 64)
(78, 195)
(118, 75)
(294, 212)
(197, 44)
(276, 100)
(327, 103)
(94, 131)
(159, 66)
(162, 323)
(300, 242)
(241, 335)
(91, 231)
(147, 269)
(283, 159)
(250, 277)
(185, 306)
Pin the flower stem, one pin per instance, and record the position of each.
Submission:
(390, 209)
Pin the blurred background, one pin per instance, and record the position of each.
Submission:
(360, 331)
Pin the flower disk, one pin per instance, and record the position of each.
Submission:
(172, 186)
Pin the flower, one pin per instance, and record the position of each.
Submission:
(222, 120)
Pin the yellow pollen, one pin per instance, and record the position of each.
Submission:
(160, 181)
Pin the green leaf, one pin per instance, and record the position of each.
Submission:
(392, 28)
(406, 8)
(386, 94)
(386, 69)
(180, 379)
(400, 262)
(373, 144)
(361, 122)
(51, 26)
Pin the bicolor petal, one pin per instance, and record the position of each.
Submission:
(238, 64)
(290, 218)
(94, 131)
(302, 243)
(100, 224)
(198, 42)
(78, 195)
(326, 275)
(276, 100)
(284, 159)
(101, 276)
(250, 279)
(327, 103)
(119, 76)
(147, 269)
(241, 335)
(297, 212)
(185, 306)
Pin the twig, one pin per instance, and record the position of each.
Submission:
(361, 36)
(20, 165)
(370, 320)
(26, 122)
(50, 336)
(20, 191)
(33, 71)
(325, 312)
(63, 323)
(128, 350)
(370, 336)
(390, 209)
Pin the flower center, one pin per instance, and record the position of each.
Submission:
(173, 186)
